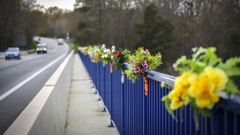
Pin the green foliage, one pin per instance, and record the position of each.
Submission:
(131, 75)
(30, 44)
(165, 85)
(155, 31)
(231, 66)
(201, 58)
(75, 46)
(166, 101)
(231, 88)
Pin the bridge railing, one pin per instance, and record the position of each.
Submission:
(133, 113)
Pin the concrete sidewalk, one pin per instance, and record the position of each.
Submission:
(84, 111)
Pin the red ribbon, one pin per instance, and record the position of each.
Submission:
(146, 86)
(111, 68)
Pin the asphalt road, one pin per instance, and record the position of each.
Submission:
(21, 80)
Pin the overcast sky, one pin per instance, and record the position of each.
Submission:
(64, 4)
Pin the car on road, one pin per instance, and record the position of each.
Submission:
(13, 53)
(60, 41)
(41, 48)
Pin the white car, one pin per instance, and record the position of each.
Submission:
(41, 48)
(13, 53)
(60, 41)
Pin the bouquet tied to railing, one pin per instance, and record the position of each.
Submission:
(120, 58)
(202, 78)
(84, 50)
(95, 53)
(140, 62)
(106, 54)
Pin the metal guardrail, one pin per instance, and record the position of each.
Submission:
(133, 113)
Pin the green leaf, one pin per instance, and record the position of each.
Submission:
(234, 71)
(231, 66)
(231, 88)
(233, 61)
(166, 100)
(182, 64)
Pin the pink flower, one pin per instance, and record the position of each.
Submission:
(144, 62)
(137, 70)
(146, 50)
(136, 63)
(145, 65)
(143, 70)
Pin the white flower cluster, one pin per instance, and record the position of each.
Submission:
(107, 53)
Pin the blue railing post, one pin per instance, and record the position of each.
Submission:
(103, 90)
(111, 102)
(216, 115)
(122, 107)
(104, 79)
(144, 110)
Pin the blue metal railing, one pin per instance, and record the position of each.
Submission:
(133, 113)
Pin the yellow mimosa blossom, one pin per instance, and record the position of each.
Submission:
(217, 76)
(179, 95)
(203, 91)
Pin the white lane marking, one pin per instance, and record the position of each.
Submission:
(15, 88)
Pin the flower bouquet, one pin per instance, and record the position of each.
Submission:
(201, 80)
(106, 54)
(95, 53)
(119, 58)
(84, 50)
(140, 62)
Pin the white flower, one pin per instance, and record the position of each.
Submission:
(175, 66)
(102, 56)
(194, 49)
(113, 48)
(103, 46)
(90, 53)
(106, 50)
(105, 55)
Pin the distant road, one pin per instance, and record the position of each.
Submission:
(21, 80)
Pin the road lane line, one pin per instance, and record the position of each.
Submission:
(10, 91)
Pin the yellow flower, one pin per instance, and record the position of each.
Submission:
(184, 81)
(178, 98)
(203, 91)
(179, 95)
(217, 76)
